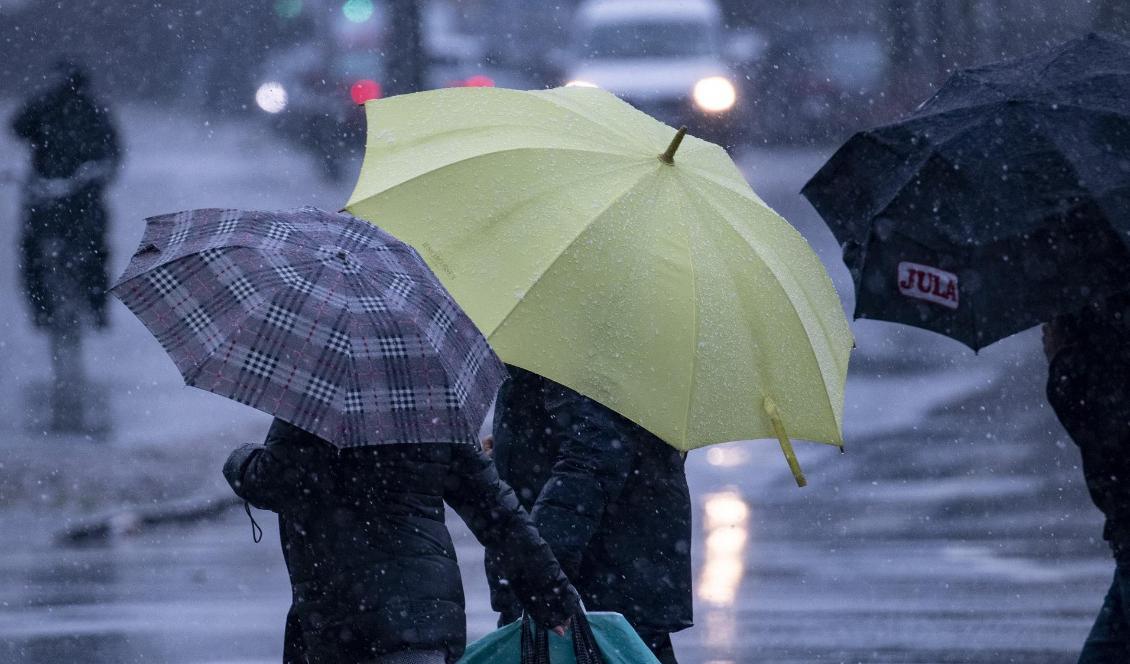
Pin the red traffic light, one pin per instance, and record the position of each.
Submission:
(364, 90)
(479, 81)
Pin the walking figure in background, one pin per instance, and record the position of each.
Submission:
(609, 497)
(63, 253)
(1089, 362)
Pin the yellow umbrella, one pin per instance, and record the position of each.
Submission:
(595, 246)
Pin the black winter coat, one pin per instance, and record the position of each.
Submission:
(371, 563)
(1089, 389)
(609, 497)
(67, 129)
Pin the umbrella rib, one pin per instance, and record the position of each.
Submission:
(1054, 139)
(1027, 101)
(628, 136)
(191, 374)
(186, 252)
(796, 312)
(449, 134)
(540, 97)
(694, 337)
(564, 250)
(482, 155)
(934, 150)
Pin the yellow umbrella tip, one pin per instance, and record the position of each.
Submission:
(668, 156)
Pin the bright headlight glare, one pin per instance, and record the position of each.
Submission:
(580, 84)
(271, 97)
(715, 94)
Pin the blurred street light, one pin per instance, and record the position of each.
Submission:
(715, 94)
(271, 97)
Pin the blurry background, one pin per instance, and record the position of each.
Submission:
(807, 71)
(956, 528)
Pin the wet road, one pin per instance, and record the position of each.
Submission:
(955, 528)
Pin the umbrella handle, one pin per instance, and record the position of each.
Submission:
(783, 438)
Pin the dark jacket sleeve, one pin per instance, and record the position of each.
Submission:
(111, 146)
(1089, 392)
(491, 510)
(593, 462)
(24, 123)
(268, 475)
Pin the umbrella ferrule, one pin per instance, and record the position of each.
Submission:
(668, 156)
(783, 438)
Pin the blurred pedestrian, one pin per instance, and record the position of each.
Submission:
(371, 563)
(609, 497)
(1089, 389)
(74, 156)
(63, 254)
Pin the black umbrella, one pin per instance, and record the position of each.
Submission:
(1001, 202)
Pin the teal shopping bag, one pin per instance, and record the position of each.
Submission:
(604, 632)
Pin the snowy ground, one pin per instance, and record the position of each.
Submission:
(955, 528)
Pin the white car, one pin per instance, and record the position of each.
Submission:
(665, 57)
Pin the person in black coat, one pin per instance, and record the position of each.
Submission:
(371, 563)
(1089, 389)
(608, 496)
(74, 155)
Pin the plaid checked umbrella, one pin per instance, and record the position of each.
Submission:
(318, 318)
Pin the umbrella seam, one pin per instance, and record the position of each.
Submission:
(190, 376)
(935, 148)
(694, 336)
(628, 136)
(584, 229)
(788, 298)
(356, 202)
(931, 151)
(539, 96)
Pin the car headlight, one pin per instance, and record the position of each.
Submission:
(715, 94)
(271, 97)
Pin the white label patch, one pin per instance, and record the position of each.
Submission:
(923, 282)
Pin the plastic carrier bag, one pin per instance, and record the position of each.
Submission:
(598, 637)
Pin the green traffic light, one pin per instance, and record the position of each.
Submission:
(358, 11)
(288, 8)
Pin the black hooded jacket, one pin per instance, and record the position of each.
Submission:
(608, 496)
(371, 563)
(1089, 389)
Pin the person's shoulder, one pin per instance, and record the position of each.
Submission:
(32, 108)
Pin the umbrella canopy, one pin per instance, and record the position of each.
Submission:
(1002, 201)
(320, 319)
(657, 284)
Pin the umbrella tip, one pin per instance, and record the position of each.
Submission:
(668, 157)
(786, 445)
